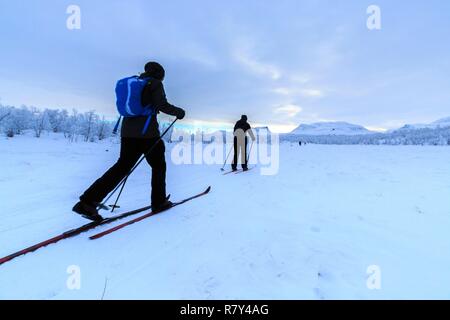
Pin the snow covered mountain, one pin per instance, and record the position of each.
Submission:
(330, 128)
(435, 133)
(441, 123)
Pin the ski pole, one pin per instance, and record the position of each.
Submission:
(124, 180)
(250, 153)
(225, 163)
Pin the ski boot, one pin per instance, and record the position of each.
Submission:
(88, 211)
(163, 206)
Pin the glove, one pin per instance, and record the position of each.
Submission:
(180, 114)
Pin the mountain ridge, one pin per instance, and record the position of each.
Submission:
(342, 128)
(330, 128)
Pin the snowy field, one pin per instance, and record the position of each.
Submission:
(309, 232)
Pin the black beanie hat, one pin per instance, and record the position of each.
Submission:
(155, 70)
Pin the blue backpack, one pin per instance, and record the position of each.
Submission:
(129, 100)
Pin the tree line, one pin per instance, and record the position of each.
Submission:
(426, 136)
(88, 126)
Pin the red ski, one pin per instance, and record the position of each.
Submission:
(148, 215)
(72, 233)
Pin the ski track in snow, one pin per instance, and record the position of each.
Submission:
(309, 232)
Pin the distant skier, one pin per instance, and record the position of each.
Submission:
(241, 129)
(134, 143)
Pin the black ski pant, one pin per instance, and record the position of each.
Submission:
(131, 150)
(240, 148)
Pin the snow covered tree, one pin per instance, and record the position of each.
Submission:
(4, 114)
(88, 120)
(56, 119)
(17, 121)
(101, 129)
(70, 125)
(88, 125)
(104, 128)
(39, 121)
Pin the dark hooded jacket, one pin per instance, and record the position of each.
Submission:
(244, 126)
(153, 95)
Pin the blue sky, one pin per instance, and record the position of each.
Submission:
(283, 63)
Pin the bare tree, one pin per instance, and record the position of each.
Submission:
(102, 127)
(89, 119)
(4, 116)
(21, 119)
(56, 119)
(70, 126)
(40, 121)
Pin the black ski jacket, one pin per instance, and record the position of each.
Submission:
(244, 126)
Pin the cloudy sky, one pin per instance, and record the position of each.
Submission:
(283, 63)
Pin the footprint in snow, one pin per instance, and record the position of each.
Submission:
(210, 285)
(315, 229)
(318, 293)
(418, 210)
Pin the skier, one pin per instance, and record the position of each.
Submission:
(241, 129)
(135, 143)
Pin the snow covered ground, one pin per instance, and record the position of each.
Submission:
(309, 232)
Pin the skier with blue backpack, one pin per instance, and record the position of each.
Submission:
(139, 100)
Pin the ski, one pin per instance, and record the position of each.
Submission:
(242, 171)
(148, 215)
(71, 233)
(229, 172)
